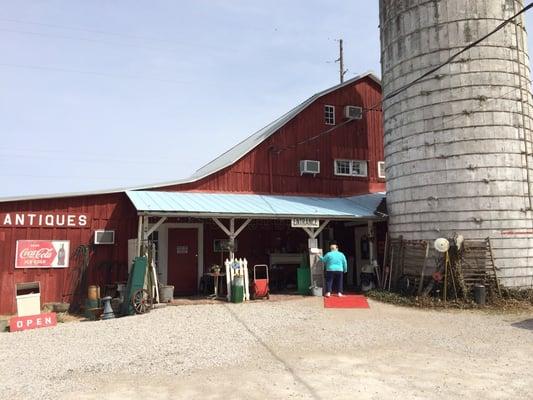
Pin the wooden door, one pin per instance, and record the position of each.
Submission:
(183, 260)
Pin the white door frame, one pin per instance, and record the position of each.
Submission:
(359, 232)
(163, 248)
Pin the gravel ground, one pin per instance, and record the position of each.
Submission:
(274, 349)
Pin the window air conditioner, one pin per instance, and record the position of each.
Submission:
(353, 112)
(309, 167)
(104, 237)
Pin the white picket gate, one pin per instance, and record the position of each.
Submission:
(237, 267)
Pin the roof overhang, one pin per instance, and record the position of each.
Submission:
(255, 206)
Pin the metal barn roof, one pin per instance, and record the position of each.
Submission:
(238, 151)
(224, 160)
(255, 205)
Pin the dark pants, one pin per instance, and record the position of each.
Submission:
(334, 276)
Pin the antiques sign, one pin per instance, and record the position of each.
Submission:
(305, 223)
(52, 220)
(42, 254)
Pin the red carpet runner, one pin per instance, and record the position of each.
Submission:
(348, 301)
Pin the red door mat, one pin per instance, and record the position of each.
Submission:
(347, 301)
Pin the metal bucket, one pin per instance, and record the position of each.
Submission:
(480, 294)
(166, 293)
(316, 291)
(238, 280)
(93, 292)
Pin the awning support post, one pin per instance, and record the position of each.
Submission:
(316, 267)
(155, 226)
(231, 232)
(142, 247)
(144, 243)
(313, 234)
(370, 233)
(139, 235)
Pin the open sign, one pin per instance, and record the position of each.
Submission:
(32, 322)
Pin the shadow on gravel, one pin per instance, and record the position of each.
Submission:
(296, 377)
(525, 324)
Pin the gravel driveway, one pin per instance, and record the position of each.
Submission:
(291, 349)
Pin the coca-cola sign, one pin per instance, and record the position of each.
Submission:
(42, 254)
(52, 220)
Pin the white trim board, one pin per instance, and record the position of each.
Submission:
(163, 248)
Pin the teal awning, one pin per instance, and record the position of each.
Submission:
(231, 205)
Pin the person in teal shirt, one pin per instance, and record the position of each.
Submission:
(336, 265)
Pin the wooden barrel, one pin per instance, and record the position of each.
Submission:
(92, 292)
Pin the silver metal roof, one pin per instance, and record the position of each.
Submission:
(226, 159)
(254, 205)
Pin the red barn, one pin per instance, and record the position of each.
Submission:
(322, 162)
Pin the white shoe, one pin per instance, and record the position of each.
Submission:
(340, 295)
(327, 294)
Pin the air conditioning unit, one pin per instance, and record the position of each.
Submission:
(309, 167)
(353, 112)
(104, 237)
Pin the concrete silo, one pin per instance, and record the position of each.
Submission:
(458, 143)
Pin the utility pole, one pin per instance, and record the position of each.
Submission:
(340, 60)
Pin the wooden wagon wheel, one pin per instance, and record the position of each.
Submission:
(141, 301)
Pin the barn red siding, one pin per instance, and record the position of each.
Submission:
(110, 211)
(361, 140)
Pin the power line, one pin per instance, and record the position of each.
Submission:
(100, 32)
(313, 137)
(114, 178)
(77, 159)
(24, 151)
(456, 117)
(97, 73)
(90, 40)
(412, 83)
(454, 56)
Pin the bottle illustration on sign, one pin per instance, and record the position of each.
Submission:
(61, 255)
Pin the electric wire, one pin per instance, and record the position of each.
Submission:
(98, 73)
(457, 54)
(77, 159)
(77, 177)
(412, 83)
(456, 117)
(100, 32)
(90, 40)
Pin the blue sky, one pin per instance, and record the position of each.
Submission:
(101, 94)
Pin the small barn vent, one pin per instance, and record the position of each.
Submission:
(104, 237)
(353, 112)
(309, 167)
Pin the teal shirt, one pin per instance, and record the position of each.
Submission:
(335, 261)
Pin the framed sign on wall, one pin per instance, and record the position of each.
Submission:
(222, 245)
(42, 254)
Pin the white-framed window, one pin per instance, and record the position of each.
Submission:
(351, 168)
(381, 169)
(329, 115)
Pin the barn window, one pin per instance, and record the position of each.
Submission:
(381, 169)
(351, 168)
(329, 115)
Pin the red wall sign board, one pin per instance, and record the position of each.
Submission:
(42, 254)
(32, 322)
(52, 220)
